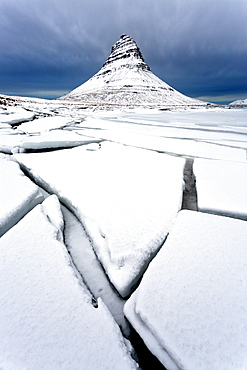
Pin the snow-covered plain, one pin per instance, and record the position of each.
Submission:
(120, 175)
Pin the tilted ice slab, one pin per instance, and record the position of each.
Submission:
(47, 318)
(18, 195)
(52, 140)
(221, 187)
(16, 115)
(19, 143)
(190, 307)
(45, 124)
(126, 198)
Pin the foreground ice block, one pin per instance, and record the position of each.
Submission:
(221, 187)
(127, 199)
(47, 319)
(190, 307)
(18, 195)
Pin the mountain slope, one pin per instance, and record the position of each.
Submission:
(125, 79)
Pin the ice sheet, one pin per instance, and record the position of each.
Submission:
(191, 303)
(47, 318)
(18, 195)
(126, 198)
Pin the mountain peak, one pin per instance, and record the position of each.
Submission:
(126, 52)
(125, 79)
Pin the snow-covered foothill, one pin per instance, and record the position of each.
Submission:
(45, 124)
(241, 102)
(126, 198)
(190, 308)
(47, 317)
(18, 195)
(221, 187)
(15, 115)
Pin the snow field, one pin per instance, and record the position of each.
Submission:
(116, 192)
(47, 317)
(126, 198)
(190, 307)
(18, 195)
(221, 187)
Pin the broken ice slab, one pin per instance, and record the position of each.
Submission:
(190, 308)
(18, 195)
(47, 318)
(221, 187)
(16, 115)
(126, 198)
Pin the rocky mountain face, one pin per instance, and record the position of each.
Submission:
(125, 79)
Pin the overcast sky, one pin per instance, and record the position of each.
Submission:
(49, 47)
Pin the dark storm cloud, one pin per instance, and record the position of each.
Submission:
(48, 47)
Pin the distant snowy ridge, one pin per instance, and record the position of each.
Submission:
(242, 102)
(125, 79)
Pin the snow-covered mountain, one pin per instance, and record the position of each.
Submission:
(125, 79)
(242, 103)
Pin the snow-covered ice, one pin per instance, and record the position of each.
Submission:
(126, 198)
(18, 195)
(221, 187)
(47, 318)
(190, 307)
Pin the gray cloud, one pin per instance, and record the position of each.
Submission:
(197, 46)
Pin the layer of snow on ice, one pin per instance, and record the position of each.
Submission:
(221, 187)
(190, 307)
(47, 318)
(88, 265)
(126, 198)
(18, 195)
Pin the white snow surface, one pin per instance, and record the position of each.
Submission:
(47, 318)
(126, 198)
(18, 195)
(190, 307)
(221, 187)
